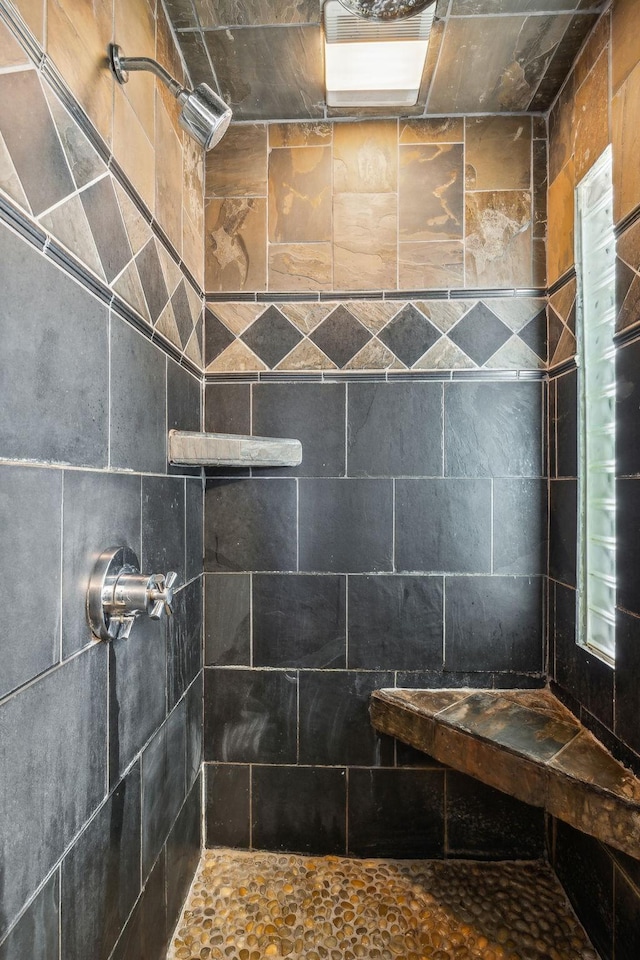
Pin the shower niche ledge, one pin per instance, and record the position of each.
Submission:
(525, 743)
(187, 448)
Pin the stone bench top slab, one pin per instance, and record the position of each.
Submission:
(525, 743)
(232, 450)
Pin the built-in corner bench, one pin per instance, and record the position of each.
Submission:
(525, 743)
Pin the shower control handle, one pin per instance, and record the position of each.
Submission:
(118, 594)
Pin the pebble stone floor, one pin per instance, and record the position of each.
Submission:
(250, 906)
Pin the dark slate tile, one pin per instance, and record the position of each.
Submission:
(626, 919)
(53, 732)
(227, 619)
(551, 430)
(137, 692)
(409, 335)
(555, 329)
(535, 335)
(194, 528)
(340, 336)
(105, 219)
(36, 935)
(181, 13)
(627, 679)
(163, 526)
(250, 716)
(346, 526)
(138, 400)
(101, 875)
(183, 853)
(47, 416)
(146, 934)
(408, 416)
(563, 519)
(299, 809)
(480, 333)
(485, 824)
(493, 429)
(396, 813)
(334, 719)
(587, 678)
(152, 279)
(271, 336)
(313, 413)
(30, 513)
(443, 526)
(194, 701)
(520, 526)
(493, 623)
(395, 623)
(32, 141)
(182, 312)
(438, 679)
(586, 873)
(100, 510)
(299, 621)
(628, 544)
(250, 525)
(184, 641)
(163, 785)
(628, 409)
(183, 399)
(567, 424)
(217, 337)
(227, 408)
(227, 805)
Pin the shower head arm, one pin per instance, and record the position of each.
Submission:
(121, 65)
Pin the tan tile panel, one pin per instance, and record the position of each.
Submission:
(133, 150)
(365, 241)
(9, 179)
(167, 55)
(238, 166)
(235, 244)
(432, 130)
(32, 12)
(498, 153)
(560, 255)
(300, 195)
(625, 41)
(312, 134)
(598, 42)
(591, 117)
(365, 157)
(626, 146)
(168, 176)
(431, 185)
(11, 53)
(135, 31)
(498, 239)
(300, 266)
(306, 356)
(433, 265)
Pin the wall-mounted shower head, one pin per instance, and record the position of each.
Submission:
(204, 115)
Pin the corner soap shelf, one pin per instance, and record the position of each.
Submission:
(187, 448)
(525, 743)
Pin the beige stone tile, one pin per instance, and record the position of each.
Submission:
(32, 12)
(68, 223)
(373, 356)
(300, 266)
(168, 327)
(365, 241)
(432, 130)
(515, 355)
(9, 180)
(78, 32)
(300, 194)
(375, 314)
(135, 32)
(516, 312)
(237, 316)
(432, 265)
(444, 355)
(625, 41)
(238, 165)
(591, 117)
(167, 54)
(11, 53)
(138, 230)
(444, 313)
(315, 133)
(237, 358)
(130, 289)
(193, 350)
(193, 186)
(133, 150)
(566, 347)
(169, 176)
(539, 263)
(561, 129)
(170, 269)
(365, 157)
(598, 41)
(236, 244)
(563, 301)
(431, 184)
(498, 153)
(560, 253)
(626, 146)
(306, 356)
(498, 241)
(192, 248)
(306, 316)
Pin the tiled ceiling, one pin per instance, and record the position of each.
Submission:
(485, 56)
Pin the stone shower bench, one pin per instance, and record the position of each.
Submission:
(525, 743)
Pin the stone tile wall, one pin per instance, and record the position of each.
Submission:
(100, 781)
(599, 104)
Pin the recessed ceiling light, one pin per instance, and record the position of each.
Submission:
(374, 63)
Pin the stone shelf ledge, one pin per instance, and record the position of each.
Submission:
(525, 743)
(187, 448)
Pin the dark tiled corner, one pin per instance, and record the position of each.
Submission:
(183, 398)
(520, 526)
(250, 716)
(163, 785)
(299, 809)
(146, 933)
(183, 852)
(194, 701)
(163, 527)
(396, 813)
(567, 424)
(251, 525)
(227, 619)
(627, 679)
(227, 805)
(184, 641)
(37, 933)
(227, 408)
(563, 518)
(194, 528)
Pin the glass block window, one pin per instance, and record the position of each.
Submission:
(595, 265)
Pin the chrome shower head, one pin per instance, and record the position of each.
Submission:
(204, 115)
(386, 9)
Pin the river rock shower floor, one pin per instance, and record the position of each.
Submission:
(250, 906)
